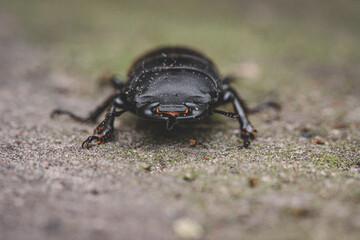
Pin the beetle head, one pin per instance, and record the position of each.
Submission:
(173, 113)
(174, 96)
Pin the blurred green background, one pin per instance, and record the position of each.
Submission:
(285, 39)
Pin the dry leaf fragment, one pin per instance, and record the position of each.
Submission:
(253, 182)
(192, 142)
(317, 140)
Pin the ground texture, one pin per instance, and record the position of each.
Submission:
(299, 180)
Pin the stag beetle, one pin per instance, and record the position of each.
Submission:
(171, 84)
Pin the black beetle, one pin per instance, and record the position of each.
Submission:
(171, 84)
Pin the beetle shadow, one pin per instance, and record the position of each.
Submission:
(155, 133)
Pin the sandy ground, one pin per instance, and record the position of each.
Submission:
(149, 184)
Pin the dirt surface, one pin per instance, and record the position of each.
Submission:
(299, 180)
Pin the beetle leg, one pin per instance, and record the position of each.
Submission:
(227, 114)
(117, 82)
(247, 130)
(105, 129)
(92, 116)
(108, 121)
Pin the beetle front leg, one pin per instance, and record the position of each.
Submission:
(105, 129)
(246, 128)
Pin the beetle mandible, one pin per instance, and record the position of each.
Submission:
(170, 84)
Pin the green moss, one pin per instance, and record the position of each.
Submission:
(332, 161)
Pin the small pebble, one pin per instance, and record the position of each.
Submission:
(145, 166)
(186, 228)
(189, 176)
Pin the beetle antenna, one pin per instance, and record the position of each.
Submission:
(227, 114)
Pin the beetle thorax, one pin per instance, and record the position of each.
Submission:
(174, 87)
